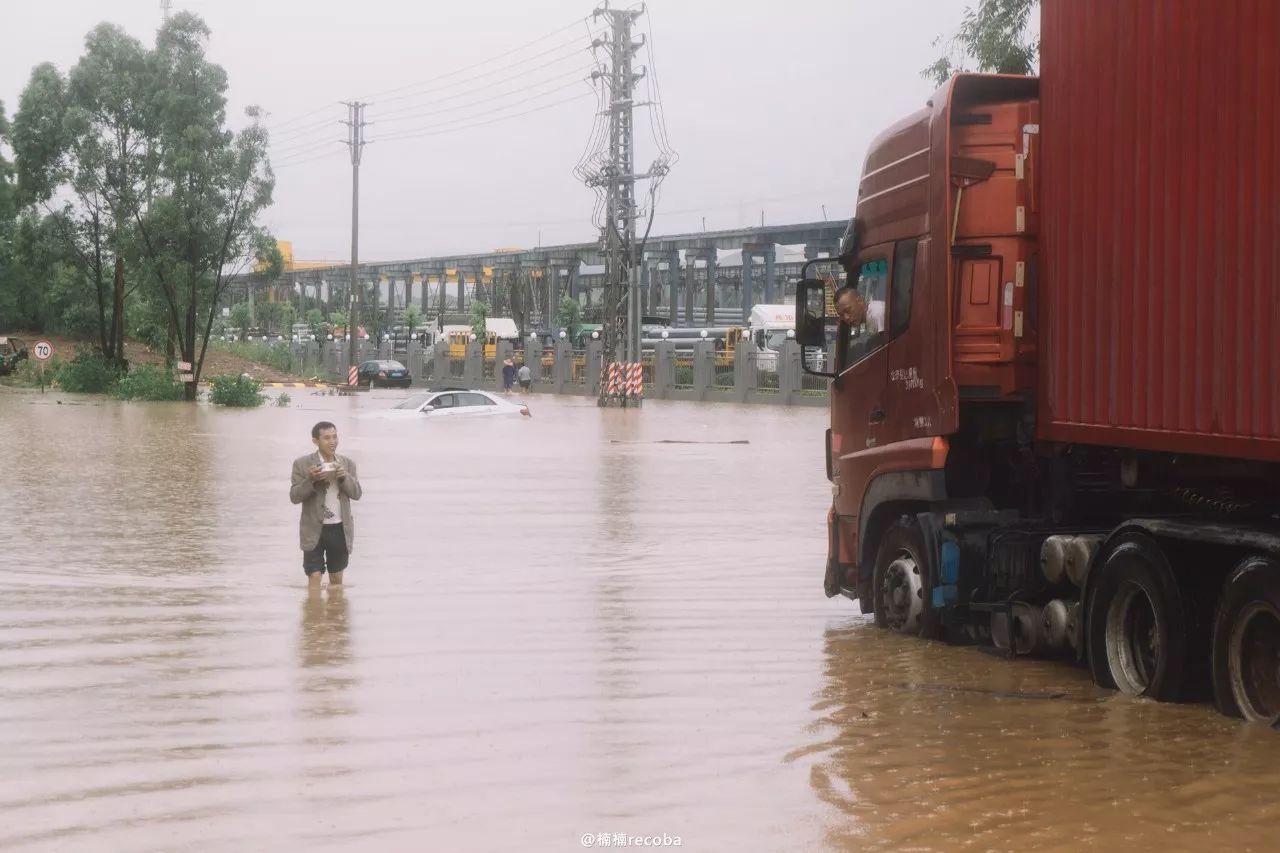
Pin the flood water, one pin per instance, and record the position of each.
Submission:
(552, 627)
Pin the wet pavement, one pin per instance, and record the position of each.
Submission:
(552, 627)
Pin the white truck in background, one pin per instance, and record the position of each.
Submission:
(768, 328)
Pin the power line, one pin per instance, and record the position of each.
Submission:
(291, 163)
(309, 136)
(305, 130)
(518, 70)
(291, 151)
(389, 95)
(294, 118)
(298, 117)
(456, 128)
(287, 151)
(576, 73)
(413, 132)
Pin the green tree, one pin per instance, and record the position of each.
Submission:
(479, 313)
(992, 37)
(8, 223)
(240, 318)
(315, 320)
(271, 316)
(339, 318)
(570, 317)
(87, 149)
(200, 228)
(288, 317)
(412, 318)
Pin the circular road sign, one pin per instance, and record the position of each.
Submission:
(42, 350)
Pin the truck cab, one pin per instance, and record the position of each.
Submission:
(769, 327)
(942, 253)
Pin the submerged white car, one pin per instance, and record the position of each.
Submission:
(457, 402)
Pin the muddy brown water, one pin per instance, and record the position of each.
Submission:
(552, 627)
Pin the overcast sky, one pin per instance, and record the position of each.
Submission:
(769, 105)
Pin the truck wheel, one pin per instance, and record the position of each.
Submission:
(1137, 628)
(901, 587)
(1246, 643)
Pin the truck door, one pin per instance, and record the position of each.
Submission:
(859, 410)
(912, 349)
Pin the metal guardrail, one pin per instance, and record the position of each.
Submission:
(648, 370)
(722, 377)
(667, 373)
(818, 385)
(764, 371)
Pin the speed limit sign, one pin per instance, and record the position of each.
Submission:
(42, 350)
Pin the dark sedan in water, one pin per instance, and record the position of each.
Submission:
(384, 374)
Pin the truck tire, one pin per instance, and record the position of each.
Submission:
(1246, 643)
(901, 587)
(1137, 629)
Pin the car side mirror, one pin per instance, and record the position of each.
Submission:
(811, 323)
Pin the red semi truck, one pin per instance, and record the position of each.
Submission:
(1056, 424)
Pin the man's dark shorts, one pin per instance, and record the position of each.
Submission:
(526, 384)
(330, 552)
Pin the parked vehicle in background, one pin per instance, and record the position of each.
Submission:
(769, 327)
(383, 373)
(12, 352)
(1057, 425)
(455, 402)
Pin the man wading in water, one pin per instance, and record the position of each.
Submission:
(325, 484)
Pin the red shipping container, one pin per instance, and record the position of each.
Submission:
(1160, 294)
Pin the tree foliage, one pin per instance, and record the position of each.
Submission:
(412, 318)
(479, 313)
(993, 37)
(85, 145)
(570, 317)
(8, 220)
(216, 183)
(126, 166)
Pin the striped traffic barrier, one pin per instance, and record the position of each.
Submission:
(351, 376)
(635, 380)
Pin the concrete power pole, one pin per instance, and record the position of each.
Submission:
(355, 141)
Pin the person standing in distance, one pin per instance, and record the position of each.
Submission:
(325, 484)
(508, 375)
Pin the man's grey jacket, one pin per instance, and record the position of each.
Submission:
(311, 496)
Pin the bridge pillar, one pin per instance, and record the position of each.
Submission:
(673, 282)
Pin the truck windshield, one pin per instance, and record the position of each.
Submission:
(775, 339)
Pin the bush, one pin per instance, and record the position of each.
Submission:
(237, 391)
(148, 382)
(87, 373)
(28, 373)
(283, 400)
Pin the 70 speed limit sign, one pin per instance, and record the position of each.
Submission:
(42, 350)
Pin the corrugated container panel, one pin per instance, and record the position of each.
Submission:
(1161, 226)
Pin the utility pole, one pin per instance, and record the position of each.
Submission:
(355, 141)
(614, 173)
(617, 177)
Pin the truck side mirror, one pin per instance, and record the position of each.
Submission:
(811, 326)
